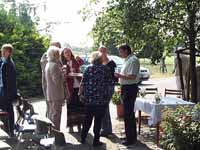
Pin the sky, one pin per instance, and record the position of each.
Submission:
(72, 29)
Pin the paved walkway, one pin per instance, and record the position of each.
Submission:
(146, 139)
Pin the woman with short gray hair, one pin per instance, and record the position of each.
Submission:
(55, 86)
(94, 87)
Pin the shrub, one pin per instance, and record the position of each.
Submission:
(116, 98)
(181, 128)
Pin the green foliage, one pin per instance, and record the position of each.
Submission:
(153, 28)
(181, 128)
(116, 99)
(17, 28)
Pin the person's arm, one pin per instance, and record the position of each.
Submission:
(11, 81)
(83, 81)
(125, 77)
(56, 74)
(133, 68)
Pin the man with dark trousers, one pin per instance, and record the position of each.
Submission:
(8, 90)
(129, 79)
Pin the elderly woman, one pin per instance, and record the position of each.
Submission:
(94, 87)
(55, 85)
(75, 109)
(43, 62)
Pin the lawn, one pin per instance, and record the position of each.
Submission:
(155, 69)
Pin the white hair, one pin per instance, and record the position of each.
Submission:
(52, 53)
(95, 57)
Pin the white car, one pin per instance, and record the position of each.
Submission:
(144, 72)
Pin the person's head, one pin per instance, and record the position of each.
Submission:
(124, 50)
(96, 58)
(103, 50)
(67, 54)
(56, 44)
(53, 53)
(6, 50)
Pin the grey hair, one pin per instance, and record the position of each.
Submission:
(7, 47)
(52, 53)
(102, 47)
(96, 58)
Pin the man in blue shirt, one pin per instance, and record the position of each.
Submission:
(8, 90)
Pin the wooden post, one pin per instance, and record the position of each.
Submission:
(188, 84)
(157, 133)
(180, 73)
(139, 121)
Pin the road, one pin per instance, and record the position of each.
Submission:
(161, 84)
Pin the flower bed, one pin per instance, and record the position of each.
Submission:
(181, 128)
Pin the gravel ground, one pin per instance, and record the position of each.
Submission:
(146, 141)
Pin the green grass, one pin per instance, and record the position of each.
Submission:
(155, 69)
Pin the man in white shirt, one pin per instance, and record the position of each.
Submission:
(129, 79)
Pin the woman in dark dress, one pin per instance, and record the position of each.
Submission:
(75, 115)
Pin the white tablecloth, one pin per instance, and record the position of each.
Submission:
(150, 107)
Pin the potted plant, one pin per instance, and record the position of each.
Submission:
(116, 99)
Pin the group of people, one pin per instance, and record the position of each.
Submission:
(96, 86)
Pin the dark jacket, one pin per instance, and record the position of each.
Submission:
(112, 65)
(9, 81)
(95, 84)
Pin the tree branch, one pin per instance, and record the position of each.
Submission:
(182, 26)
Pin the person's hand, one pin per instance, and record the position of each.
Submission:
(64, 69)
(63, 103)
(78, 58)
(117, 75)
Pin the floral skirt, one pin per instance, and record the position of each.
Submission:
(75, 110)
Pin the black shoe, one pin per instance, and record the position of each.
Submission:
(95, 144)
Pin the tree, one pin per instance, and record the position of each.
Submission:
(17, 28)
(131, 21)
(159, 25)
(182, 16)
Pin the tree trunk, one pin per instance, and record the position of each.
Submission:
(192, 36)
(193, 72)
(181, 73)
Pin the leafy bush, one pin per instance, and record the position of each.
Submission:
(181, 128)
(18, 29)
(116, 98)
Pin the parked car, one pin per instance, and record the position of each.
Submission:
(144, 72)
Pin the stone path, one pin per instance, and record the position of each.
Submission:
(145, 140)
